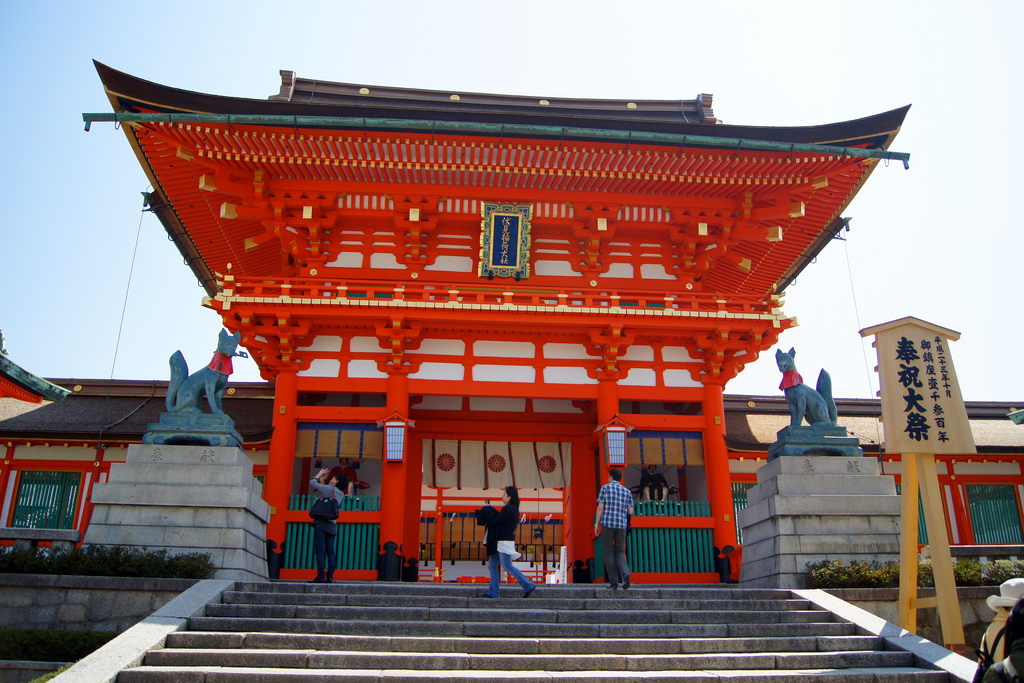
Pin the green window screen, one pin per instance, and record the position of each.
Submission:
(995, 516)
(46, 500)
(739, 502)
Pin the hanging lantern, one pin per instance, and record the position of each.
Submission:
(395, 430)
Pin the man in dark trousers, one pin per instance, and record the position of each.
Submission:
(614, 506)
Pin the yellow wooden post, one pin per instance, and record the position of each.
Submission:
(942, 561)
(908, 545)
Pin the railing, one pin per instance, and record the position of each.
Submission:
(670, 550)
(347, 504)
(672, 508)
(303, 291)
(356, 546)
(667, 537)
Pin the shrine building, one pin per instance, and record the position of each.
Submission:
(451, 292)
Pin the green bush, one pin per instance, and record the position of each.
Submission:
(98, 560)
(966, 572)
(833, 574)
(50, 646)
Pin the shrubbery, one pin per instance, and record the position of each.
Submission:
(98, 560)
(834, 574)
(50, 646)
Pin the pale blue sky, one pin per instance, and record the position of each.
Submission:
(938, 241)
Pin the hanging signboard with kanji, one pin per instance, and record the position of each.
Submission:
(922, 407)
(505, 240)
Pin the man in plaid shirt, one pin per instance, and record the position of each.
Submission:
(614, 505)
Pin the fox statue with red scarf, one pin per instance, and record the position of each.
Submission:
(185, 391)
(817, 406)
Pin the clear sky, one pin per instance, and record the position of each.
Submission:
(938, 241)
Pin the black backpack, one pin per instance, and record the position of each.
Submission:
(985, 662)
(1001, 672)
(325, 510)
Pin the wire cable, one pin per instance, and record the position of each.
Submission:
(867, 367)
(120, 328)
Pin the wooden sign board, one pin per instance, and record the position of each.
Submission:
(922, 414)
(922, 407)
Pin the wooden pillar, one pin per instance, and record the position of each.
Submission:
(959, 513)
(716, 467)
(5, 473)
(580, 503)
(277, 486)
(394, 479)
(413, 488)
(87, 516)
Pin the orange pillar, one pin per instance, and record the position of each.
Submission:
(587, 481)
(607, 409)
(394, 477)
(716, 467)
(581, 503)
(277, 486)
(413, 488)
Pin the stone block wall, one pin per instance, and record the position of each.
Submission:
(884, 603)
(82, 603)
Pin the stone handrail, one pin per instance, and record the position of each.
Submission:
(30, 538)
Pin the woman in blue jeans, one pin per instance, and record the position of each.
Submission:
(501, 534)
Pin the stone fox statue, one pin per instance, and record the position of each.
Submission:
(817, 406)
(186, 391)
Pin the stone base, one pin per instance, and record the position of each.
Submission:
(815, 441)
(193, 428)
(185, 499)
(808, 509)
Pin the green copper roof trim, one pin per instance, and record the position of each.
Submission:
(500, 129)
(26, 380)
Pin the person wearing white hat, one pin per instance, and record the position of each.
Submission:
(1008, 669)
(1009, 592)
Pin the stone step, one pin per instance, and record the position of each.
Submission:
(361, 632)
(517, 629)
(529, 611)
(461, 661)
(249, 674)
(302, 641)
(637, 592)
(541, 599)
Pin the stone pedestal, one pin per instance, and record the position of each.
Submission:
(808, 509)
(185, 499)
(193, 428)
(815, 440)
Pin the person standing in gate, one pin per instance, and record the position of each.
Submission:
(501, 548)
(327, 483)
(614, 507)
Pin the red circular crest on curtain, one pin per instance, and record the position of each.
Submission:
(547, 464)
(496, 463)
(445, 462)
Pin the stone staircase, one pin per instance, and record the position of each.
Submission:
(298, 632)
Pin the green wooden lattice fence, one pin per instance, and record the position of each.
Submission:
(922, 528)
(995, 516)
(46, 500)
(666, 550)
(357, 545)
(739, 502)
